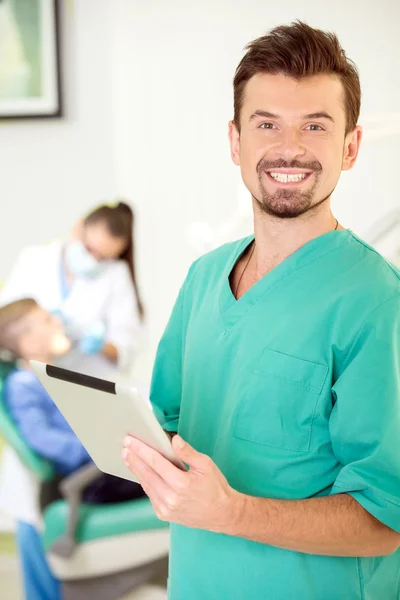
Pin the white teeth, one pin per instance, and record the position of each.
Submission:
(285, 178)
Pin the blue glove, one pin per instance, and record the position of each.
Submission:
(93, 340)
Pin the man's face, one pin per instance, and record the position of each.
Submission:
(292, 145)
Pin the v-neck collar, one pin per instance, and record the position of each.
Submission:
(233, 309)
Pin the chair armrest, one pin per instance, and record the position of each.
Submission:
(77, 482)
(72, 488)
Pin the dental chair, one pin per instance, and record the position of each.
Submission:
(101, 552)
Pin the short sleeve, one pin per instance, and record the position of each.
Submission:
(365, 419)
(166, 385)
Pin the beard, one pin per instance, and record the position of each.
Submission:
(288, 203)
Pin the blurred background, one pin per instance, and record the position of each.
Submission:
(146, 95)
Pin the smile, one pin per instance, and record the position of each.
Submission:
(288, 178)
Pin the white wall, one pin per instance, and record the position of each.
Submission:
(53, 171)
(173, 85)
(149, 95)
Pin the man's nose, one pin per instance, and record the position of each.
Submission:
(290, 144)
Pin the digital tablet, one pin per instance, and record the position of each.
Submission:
(101, 414)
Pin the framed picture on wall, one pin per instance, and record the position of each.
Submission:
(29, 59)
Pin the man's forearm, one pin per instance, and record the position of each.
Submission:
(333, 526)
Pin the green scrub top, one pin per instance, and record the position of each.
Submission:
(294, 392)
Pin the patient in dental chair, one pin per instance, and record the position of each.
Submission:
(29, 332)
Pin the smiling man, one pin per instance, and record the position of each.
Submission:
(279, 367)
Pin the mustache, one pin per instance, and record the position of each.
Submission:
(267, 165)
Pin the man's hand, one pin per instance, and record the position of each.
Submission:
(200, 497)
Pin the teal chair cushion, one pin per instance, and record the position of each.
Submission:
(100, 520)
(40, 467)
(95, 521)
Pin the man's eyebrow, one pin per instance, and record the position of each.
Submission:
(319, 115)
(268, 115)
(263, 113)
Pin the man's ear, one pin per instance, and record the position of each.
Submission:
(234, 140)
(351, 148)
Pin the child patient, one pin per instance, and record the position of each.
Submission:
(29, 332)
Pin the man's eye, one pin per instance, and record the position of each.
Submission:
(266, 126)
(315, 127)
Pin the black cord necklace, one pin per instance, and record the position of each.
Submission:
(249, 259)
(246, 265)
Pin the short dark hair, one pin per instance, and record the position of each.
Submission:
(298, 51)
(11, 314)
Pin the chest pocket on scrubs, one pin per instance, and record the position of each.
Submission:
(280, 400)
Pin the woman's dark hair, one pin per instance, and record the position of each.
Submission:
(119, 219)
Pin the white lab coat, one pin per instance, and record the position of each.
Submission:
(109, 298)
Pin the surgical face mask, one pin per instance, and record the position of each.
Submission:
(80, 262)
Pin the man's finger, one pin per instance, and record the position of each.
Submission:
(153, 494)
(173, 477)
(155, 487)
(189, 455)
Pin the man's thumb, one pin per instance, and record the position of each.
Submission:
(186, 452)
